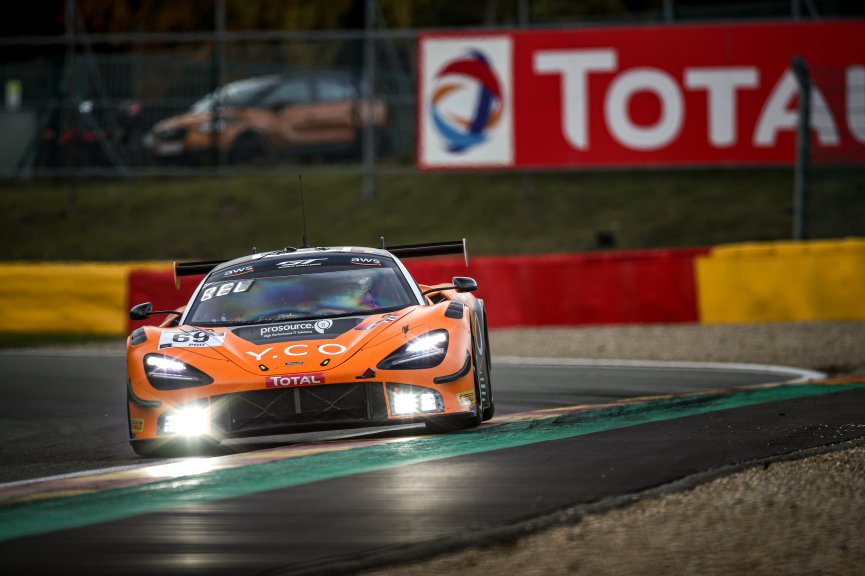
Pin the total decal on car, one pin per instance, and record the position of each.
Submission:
(304, 339)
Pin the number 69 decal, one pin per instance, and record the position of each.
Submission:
(190, 339)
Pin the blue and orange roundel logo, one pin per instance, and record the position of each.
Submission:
(470, 79)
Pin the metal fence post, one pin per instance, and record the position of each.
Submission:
(669, 11)
(368, 191)
(217, 71)
(523, 13)
(803, 150)
(71, 99)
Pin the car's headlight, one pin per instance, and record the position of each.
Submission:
(192, 419)
(405, 400)
(425, 351)
(167, 373)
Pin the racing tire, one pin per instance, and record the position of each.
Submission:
(461, 422)
(490, 409)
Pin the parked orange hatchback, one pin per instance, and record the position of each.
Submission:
(267, 117)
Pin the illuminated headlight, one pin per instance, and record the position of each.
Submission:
(425, 351)
(192, 420)
(404, 403)
(166, 373)
(407, 400)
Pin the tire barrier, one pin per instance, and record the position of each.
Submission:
(782, 282)
(630, 287)
(743, 283)
(83, 298)
(157, 286)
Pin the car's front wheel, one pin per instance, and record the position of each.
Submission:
(461, 422)
(490, 409)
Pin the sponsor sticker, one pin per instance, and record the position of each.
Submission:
(238, 271)
(294, 380)
(136, 425)
(291, 329)
(301, 263)
(323, 329)
(225, 288)
(466, 398)
(366, 325)
(299, 350)
(190, 339)
(366, 261)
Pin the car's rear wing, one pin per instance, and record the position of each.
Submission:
(405, 251)
(193, 269)
(429, 249)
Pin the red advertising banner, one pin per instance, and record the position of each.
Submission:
(647, 96)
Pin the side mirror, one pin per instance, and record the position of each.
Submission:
(464, 284)
(141, 311)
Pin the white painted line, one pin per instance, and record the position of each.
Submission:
(288, 439)
(797, 375)
(97, 472)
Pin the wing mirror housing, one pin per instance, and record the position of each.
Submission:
(141, 311)
(464, 284)
(460, 284)
(145, 310)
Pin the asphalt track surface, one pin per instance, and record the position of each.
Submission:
(62, 415)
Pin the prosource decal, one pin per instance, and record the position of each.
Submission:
(305, 330)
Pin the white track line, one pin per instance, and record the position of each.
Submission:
(98, 471)
(797, 375)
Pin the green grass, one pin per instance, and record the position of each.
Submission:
(218, 217)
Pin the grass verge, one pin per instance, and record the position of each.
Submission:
(27, 339)
(215, 217)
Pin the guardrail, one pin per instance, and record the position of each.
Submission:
(743, 283)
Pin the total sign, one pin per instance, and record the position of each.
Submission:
(672, 95)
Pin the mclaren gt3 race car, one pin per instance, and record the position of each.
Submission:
(303, 339)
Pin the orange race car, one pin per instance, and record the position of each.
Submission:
(310, 338)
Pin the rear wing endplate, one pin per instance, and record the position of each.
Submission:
(430, 249)
(193, 269)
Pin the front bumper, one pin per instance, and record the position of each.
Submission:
(303, 408)
(264, 411)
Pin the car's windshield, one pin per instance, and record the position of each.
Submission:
(273, 291)
(240, 93)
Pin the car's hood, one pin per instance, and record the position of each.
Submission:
(320, 345)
